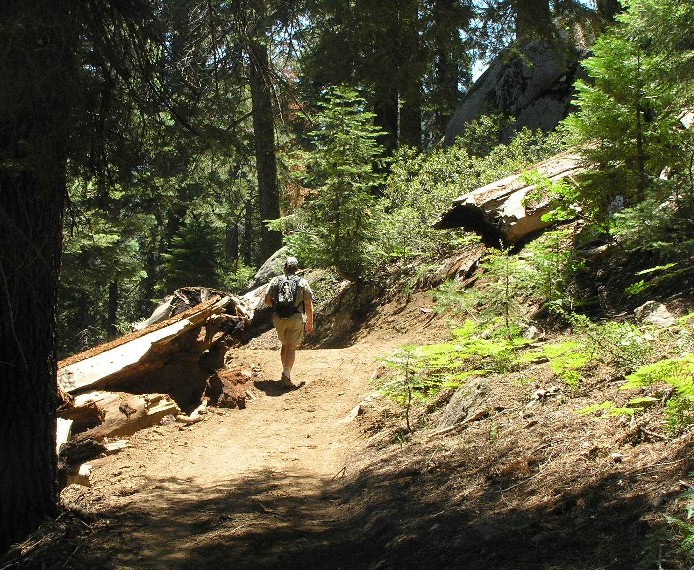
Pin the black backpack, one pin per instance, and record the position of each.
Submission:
(284, 300)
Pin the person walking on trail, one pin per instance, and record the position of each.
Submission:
(290, 296)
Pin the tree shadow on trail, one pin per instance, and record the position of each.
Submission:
(397, 519)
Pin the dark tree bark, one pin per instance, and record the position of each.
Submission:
(386, 111)
(35, 72)
(411, 72)
(111, 330)
(265, 152)
(248, 234)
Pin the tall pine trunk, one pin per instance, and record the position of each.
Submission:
(386, 110)
(265, 157)
(112, 311)
(446, 44)
(411, 72)
(35, 70)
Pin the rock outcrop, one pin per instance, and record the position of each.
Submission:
(534, 84)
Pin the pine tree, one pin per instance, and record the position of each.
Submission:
(342, 170)
(626, 122)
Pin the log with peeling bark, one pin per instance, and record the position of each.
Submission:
(84, 415)
(173, 357)
(501, 212)
(124, 414)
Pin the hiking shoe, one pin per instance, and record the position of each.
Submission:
(286, 382)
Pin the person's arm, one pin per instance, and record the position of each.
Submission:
(308, 305)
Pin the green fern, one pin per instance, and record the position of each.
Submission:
(420, 372)
(566, 359)
(607, 409)
(677, 373)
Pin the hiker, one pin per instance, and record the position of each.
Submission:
(289, 296)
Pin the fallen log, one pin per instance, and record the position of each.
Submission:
(501, 212)
(195, 416)
(141, 353)
(172, 357)
(124, 414)
(178, 302)
(63, 432)
(72, 468)
(83, 415)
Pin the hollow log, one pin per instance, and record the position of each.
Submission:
(501, 212)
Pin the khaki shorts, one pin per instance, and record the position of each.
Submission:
(289, 330)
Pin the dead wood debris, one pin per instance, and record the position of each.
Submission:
(168, 367)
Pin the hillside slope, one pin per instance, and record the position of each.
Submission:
(326, 476)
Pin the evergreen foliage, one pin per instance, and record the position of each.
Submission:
(194, 257)
(628, 122)
(335, 225)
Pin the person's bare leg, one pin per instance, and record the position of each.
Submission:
(290, 356)
(283, 355)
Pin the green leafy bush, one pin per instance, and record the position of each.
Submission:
(420, 372)
(423, 185)
(677, 373)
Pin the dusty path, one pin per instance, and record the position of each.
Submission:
(262, 487)
(244, 488)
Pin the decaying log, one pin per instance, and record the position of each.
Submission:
(83, 414)
(65, 400)
(115, 446)
(74, 475)
(195, 416)
(137, 380)
(178, 302)
(227, 388)
(137, 355)
(72, 468)
(125, 414)
(501, 212)
(74, 453)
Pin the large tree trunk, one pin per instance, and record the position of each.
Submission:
(411, 72)
(36, 70)
(112, 318)
(265, 157)
(446, 45)
(386, 110)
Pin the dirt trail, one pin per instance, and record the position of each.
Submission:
(255, 488)
(244, 488)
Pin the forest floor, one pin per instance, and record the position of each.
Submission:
(325, 477)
